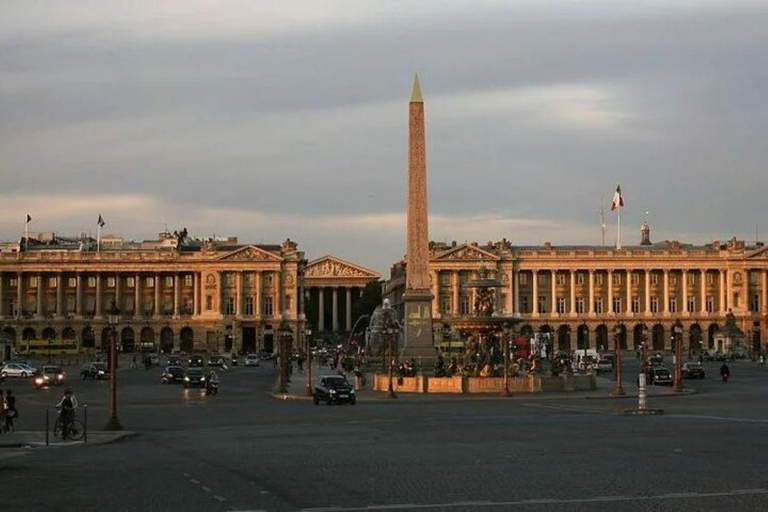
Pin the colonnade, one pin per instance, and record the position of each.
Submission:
(349, 292)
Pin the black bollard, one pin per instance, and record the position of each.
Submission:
(47, 426)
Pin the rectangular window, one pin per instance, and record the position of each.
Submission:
(541, 279)
(710, 304)
(580, 278)
(616, 278)
(91, 282)
(445, 278)
(654, 304)
(561, 305)
(691, 278)
(710, 278)
(12, 282)
(754, 303)
(149, 282)
(128, 305)
(229, 306)
(654, 278)
(635, 278)
(523, 278)
(249, 306)
(188, 281)
(445, 305)
(598, 278)
(53, 282)
(503, 303)
(32, 282)
(617, 304)
(635, 304)
(560, 278)
(130, 282)
(464, 305)
(672, 305)
(168, 281)
(753, 278)
(580, 305)
(673, 280)
(691, 304)
(524, 306)
(599, 305)
(542, 304)
(111, 281)
(268, 306)
(267, 279)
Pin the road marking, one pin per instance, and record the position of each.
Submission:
(545, 501)
(206, 489)
(717, 418)
(561, 407)
(220, 498)
(196, 482)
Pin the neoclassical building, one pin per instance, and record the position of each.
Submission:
(212, 295)
(585, 296)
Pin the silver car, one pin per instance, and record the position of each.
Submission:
(17, 370)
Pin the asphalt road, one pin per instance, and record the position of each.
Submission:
(242, 450)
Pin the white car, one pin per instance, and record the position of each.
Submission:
(252, 360)
(17, 370)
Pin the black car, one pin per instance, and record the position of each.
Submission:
(173, 374)
(195, 361)
(693, 370)
(215, 360)
(656, 360)
(659, 376)
(334, 389)
(94, 371)
(50, 375)
(194, 377)
(173, 361)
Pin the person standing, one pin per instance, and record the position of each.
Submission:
(10, 410)
(2, 412)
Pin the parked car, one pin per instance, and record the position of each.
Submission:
(252, 360)
(195, 360)
(50, 375)
(605, 363)
(659, 376)
(173, 374)
(693, 370)
(334, 389)
(17, 370)
(194, 377)
(215, 360)
(97, 370)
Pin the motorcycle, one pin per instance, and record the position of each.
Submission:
(234, 360)
(212, 388)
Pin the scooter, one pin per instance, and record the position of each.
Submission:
(212, 388)
(234, 360)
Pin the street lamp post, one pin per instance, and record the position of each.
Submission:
(506, 339)
(307, 337)
(619, 391)
(390, 333)
(284, 334)
(50, 340)
(113, 318)
(677, 329)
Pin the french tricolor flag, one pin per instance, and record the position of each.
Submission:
(618, 200)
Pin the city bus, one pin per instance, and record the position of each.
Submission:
(44, 347)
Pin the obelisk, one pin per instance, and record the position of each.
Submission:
(417, 297)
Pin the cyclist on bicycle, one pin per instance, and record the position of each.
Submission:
(67, 406)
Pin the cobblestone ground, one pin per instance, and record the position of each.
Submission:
(242, 450)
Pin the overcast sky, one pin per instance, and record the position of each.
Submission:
(275, 119)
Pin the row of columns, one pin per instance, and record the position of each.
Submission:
(334, 307)
(99, 308)
(722, 296)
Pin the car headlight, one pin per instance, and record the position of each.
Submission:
(186, 379)
(332, 391)
(60, 376)
(101, 372)
(202, 379)
(39, 380)
(351, 391)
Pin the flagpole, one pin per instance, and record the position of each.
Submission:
(26, 233)
(98, 238)
(618, 241)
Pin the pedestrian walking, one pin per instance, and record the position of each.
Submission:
(2, 412)
(134, 366)
(10, 411)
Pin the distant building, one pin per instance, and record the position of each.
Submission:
(174, 293)
(586, 296)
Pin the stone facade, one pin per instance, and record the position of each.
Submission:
(212, 297)
(589, 296)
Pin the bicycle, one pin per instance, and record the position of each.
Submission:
(75, 430)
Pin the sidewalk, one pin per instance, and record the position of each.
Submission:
(297, 391)
(37, 438)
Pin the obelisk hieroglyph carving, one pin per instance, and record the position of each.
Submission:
(417, 297)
